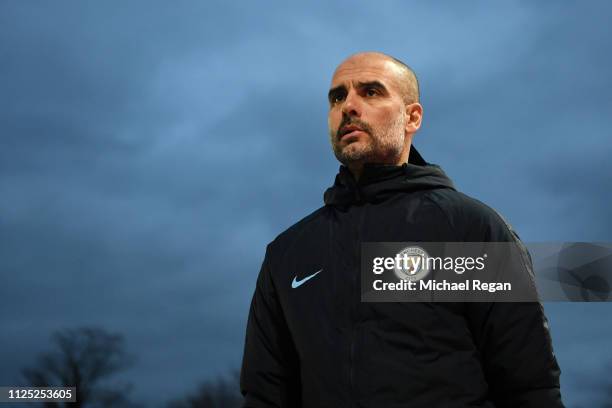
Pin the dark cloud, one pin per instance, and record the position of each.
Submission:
(150, 151)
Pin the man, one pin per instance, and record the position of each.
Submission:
(310, 342)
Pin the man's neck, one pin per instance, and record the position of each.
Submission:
(356, 168)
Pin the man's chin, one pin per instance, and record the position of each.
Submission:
(351, 156)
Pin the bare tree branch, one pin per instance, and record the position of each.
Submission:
(84, 358)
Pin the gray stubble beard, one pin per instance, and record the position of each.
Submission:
(383, 148)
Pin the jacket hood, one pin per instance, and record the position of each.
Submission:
(379, 181)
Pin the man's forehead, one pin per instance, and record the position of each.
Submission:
(366, 69)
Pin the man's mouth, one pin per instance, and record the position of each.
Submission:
(347, 130)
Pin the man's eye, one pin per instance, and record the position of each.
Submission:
(337, 98)
(371, 91)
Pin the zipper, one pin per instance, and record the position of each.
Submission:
(356, 295)
(351, 357)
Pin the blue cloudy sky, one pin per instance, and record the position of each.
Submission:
(150, 150)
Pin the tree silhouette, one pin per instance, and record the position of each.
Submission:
(219, 393)
(84, 358)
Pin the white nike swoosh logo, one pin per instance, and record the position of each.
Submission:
(297, 283)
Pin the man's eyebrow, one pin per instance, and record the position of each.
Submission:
(372, 84)
(368, 84)
(335, 91)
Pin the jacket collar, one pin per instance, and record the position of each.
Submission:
(379, 181)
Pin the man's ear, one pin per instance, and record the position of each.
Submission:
(414, 117)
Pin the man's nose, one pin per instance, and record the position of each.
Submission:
(352, 104)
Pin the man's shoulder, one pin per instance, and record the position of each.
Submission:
(479, 221)
(461, 204)
(283, 239)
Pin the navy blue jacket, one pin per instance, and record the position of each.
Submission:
(317, 345)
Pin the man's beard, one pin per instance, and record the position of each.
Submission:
(385, 145)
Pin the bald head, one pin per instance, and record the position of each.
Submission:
(406, 78)
(373, 110)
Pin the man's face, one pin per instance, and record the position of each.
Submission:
(367, 113)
